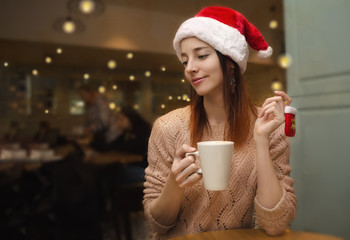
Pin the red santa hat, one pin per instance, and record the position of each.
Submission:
(227, 31)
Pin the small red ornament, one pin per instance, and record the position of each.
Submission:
(289, 128)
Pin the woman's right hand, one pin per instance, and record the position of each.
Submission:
(165, 209)
(184, 168)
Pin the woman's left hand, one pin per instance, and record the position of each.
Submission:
(271, 115)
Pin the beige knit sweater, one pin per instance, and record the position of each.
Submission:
(202, 210)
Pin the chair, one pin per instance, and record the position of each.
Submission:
(76, 199)
(127, 197)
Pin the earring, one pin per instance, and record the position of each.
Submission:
(232, 80)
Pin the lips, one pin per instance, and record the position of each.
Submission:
(197, 80)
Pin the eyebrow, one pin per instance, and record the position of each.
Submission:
(194, 50)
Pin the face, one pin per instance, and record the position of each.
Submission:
(202, 67)
(123, 122)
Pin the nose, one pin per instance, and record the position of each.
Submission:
(191, 67)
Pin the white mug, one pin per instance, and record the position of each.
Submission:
(215, 158)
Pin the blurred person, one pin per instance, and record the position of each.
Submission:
(43, 132)
(133, 139)
(13, 135)
(48, 135)
(213, 48)
(135, 132)
(99, 118)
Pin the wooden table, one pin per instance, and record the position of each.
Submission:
(253, 234)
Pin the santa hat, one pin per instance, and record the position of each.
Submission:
(227, 31)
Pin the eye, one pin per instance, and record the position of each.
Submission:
(184, 63)
(203, 56)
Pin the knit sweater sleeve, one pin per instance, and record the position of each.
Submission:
(274, 221)
(161, 151)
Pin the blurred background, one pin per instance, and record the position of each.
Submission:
(123, 49)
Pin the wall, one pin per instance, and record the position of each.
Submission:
(317, 35)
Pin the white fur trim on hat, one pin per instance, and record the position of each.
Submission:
(227, 40)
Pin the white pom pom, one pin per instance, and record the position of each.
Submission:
(265, 53)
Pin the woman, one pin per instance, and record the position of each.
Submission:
(134, 135)
(134, 140)
(213, 49)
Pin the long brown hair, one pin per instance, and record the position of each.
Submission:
(239, 110)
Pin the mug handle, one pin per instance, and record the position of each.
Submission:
(199, 171)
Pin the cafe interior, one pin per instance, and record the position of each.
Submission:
(51, 179)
